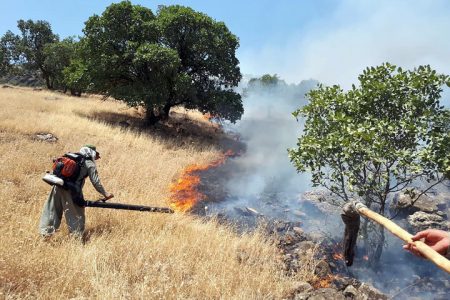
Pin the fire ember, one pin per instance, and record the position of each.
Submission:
(324, 282)
(338, 256)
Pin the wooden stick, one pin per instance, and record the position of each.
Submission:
(423, 248)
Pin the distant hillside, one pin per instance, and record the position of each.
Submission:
(28, 80)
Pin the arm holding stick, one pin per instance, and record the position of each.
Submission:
(438, 240)
(426, 251)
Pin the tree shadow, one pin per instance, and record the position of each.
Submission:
(177, 131)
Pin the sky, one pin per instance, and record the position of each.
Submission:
(328, 40)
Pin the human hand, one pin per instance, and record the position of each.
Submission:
(108, 196)
(438, 240)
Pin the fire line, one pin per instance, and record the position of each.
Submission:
(183, 193)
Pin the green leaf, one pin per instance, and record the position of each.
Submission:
(389, 128)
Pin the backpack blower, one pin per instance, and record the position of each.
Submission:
(66, 168)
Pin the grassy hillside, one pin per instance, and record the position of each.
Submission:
(126, 254)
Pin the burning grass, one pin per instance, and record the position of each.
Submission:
(127, 254)
(184, 194)
(323, 282)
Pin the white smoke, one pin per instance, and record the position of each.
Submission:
(267, 129)
(358, 35)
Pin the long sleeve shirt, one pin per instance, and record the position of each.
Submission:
(90, 170)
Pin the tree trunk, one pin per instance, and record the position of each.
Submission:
(75, 93)
(47, 81)
(150, 118)
(365, 236)
(374, 238)
(376, 245)
(164, 112)
(379, 245)
(379, 236)
(46, 77)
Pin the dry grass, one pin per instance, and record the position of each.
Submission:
(128, 254)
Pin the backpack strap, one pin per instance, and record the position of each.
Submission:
(82, 156)
(82, 160)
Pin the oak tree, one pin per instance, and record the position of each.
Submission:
(35, 35)
(177, 57)
(386, 135)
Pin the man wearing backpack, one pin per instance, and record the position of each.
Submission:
(69, 199)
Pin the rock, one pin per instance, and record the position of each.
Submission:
(350, 292)
(304, 247)
(369, 292)
(326, 294)
(298, 231)
(317, 195)
(288, 239)
(431, 203)
(242, 211)
(340, 283)
(324, 200)
(7, 86)
(301, 296)
(295, 264)
(421, 220)
(287, 257)
(253, 211)
(322, 269)
(316, 236)
(299, 213)
(46, 137)
(301, 287)
(280, 226)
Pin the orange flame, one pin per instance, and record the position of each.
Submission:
(207, 116)
(323, 282)
(337, 252)
(184, 194)
(338, 256)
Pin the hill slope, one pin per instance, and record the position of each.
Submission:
(126, 254)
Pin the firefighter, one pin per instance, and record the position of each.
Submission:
(69, 200)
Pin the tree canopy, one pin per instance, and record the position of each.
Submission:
(25, 52)
(177, 57)
(384, 136)
(266, 80)
(9, 52)
(34, 37)
(58, 56)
